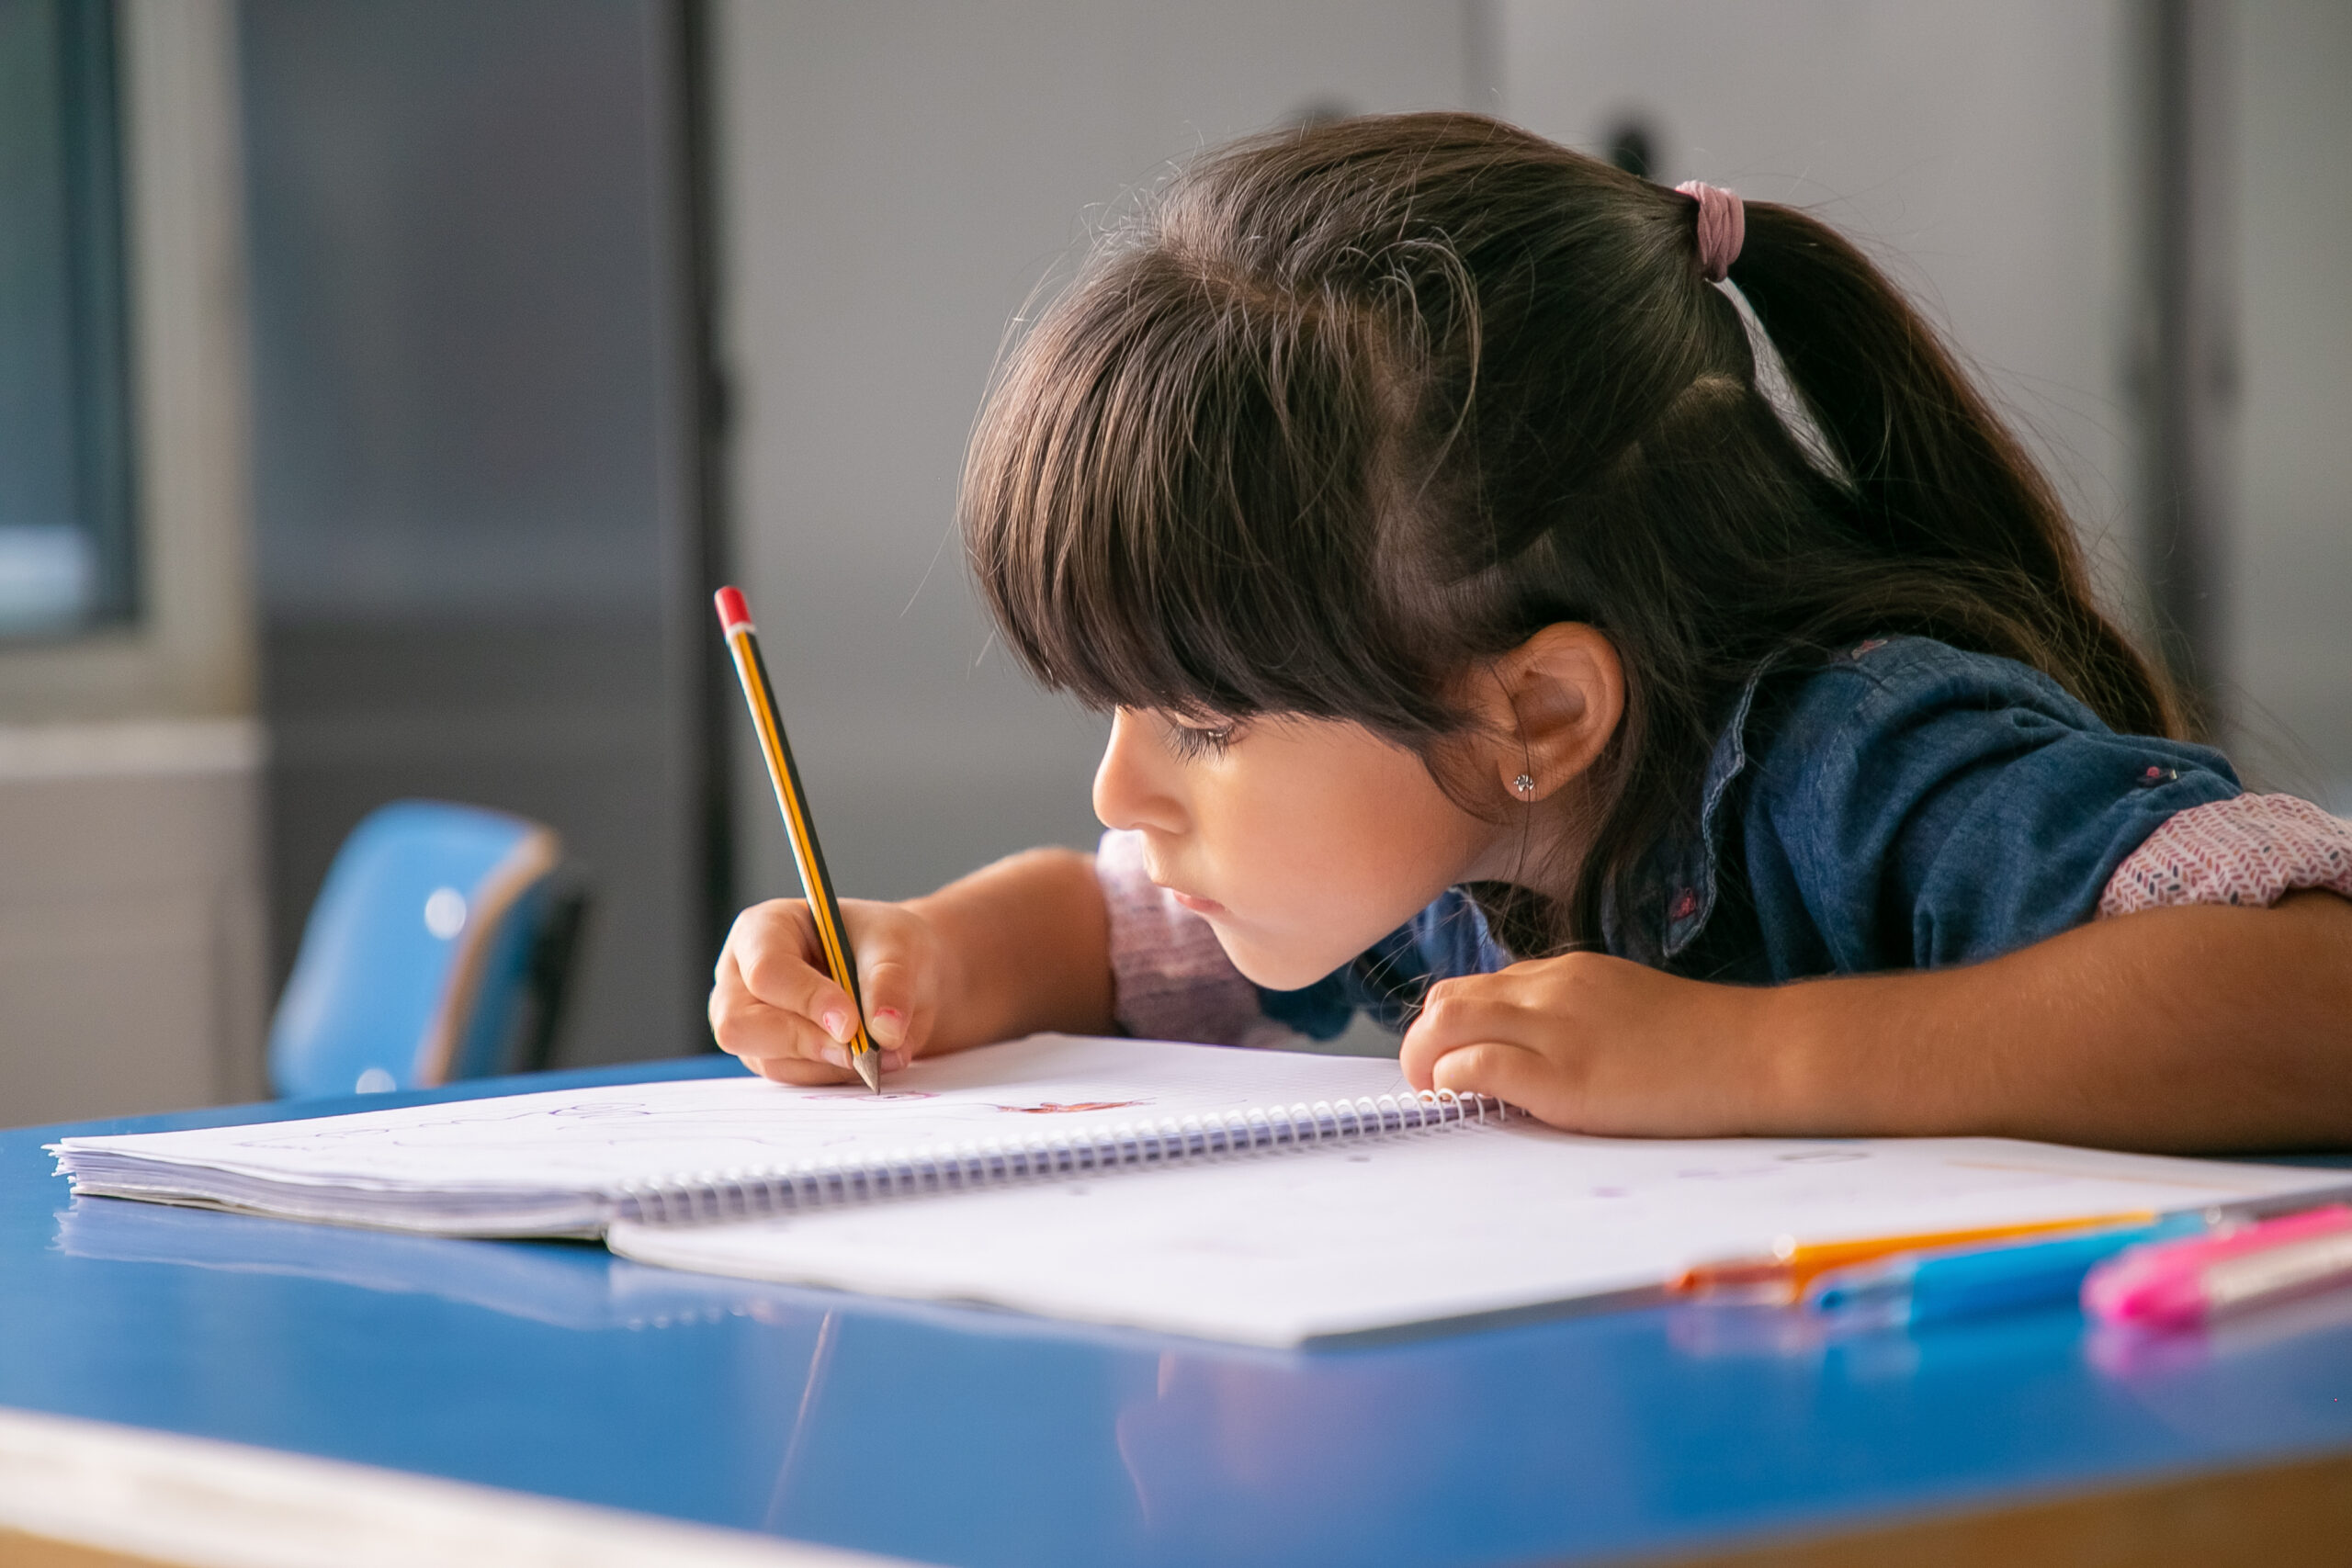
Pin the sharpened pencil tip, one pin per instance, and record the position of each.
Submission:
(869, 1067)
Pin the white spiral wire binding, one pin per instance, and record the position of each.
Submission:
(706, 1196)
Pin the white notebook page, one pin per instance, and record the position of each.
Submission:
(472, 1165)
(1292, 1247)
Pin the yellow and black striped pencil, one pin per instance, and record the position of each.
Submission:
(735, 618)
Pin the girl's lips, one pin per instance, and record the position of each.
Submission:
(1198, 905)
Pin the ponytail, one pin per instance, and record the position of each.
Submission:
(1934, 475)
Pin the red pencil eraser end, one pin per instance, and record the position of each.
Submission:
(732, 610)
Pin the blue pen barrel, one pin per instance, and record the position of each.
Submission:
(1966, 1282)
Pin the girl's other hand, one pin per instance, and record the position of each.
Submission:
(1597, 1045)
(773, 1004)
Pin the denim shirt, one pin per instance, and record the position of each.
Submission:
(1902, 805)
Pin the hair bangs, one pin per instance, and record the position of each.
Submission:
(1165, 500)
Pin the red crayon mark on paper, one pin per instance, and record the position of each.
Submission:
(1053, 1108)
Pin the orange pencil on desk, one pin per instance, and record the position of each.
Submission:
(1781, 1276)
(735, 619)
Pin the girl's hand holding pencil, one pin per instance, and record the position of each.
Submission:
(773, 1004)
(1014, 948)
(820, 985)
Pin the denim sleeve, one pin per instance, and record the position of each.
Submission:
(1447, 939)
(1917, 806)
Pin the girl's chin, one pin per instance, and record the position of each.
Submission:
(1276, 968)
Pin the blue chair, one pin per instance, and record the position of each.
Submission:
(435, 949)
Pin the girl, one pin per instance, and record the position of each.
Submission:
(1489, 647)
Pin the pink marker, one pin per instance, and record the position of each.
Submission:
(2176, 1284)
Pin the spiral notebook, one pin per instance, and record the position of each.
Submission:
(572, 1162)
(1259, 1197)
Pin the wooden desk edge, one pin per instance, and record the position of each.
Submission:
(2291, 1512)
(77, 1494)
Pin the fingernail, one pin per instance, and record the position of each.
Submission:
(837, 1055)
(890, 1025)
(836, 1023)
(893, 1060)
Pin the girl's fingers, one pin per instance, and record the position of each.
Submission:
(772, 1040)
(921, 1020)
(1456, 1015)
(798, 1071)
(889, 983)
(774, 1004)
(898, 974)
(776, 953)
(1511, 1073)
(771, 1043)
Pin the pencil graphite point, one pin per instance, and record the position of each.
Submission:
(868, 1067)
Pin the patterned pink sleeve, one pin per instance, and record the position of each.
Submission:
(1170, 979)
(2253, 850)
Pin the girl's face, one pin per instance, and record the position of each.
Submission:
(1302, 841)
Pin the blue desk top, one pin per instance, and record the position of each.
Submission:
(970, 1437)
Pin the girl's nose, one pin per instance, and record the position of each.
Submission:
(1130, 785)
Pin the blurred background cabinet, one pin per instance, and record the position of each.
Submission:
(478, 422)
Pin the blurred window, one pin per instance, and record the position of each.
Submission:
(66, 514)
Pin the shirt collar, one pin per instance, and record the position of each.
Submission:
(1680, 880)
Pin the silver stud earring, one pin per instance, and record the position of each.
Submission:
(1524, 786)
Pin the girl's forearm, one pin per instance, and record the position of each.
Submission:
(1027, 948)
(2189, 1029)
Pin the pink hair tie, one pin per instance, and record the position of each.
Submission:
(1722, 225)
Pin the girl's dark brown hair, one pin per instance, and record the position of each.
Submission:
(1346, 411)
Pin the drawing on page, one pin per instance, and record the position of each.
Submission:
(468, 1114)
(592, 1133)
(867, 1099)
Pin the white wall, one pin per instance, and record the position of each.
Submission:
(898, 176)
(130, 936)
(131, 928)
(1978, 149)
(2290, 605)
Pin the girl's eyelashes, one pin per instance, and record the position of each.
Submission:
(1193, 742)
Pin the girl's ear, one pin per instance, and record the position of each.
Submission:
(1551, 704)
